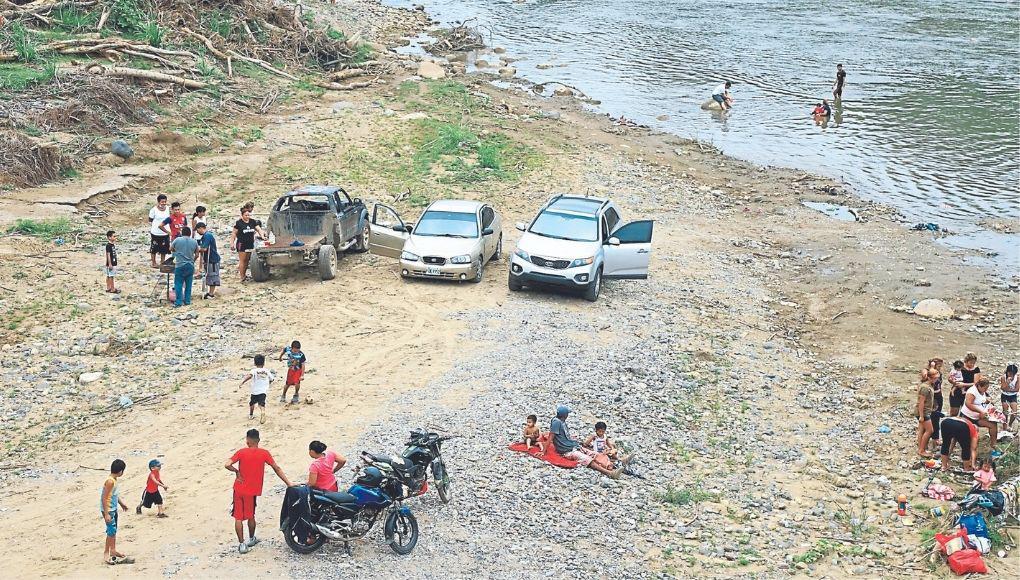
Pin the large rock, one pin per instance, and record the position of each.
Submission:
(86, 378)
(428, 69)
(121, 149)
(933, 308)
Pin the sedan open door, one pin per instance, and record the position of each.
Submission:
(628, 251)
(388, 232)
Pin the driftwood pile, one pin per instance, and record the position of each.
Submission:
(461, 37)
(261, 33)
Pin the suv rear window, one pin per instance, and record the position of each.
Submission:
(565, 226)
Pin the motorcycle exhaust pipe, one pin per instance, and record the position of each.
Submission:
(327, 532)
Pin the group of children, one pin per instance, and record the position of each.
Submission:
(110, 503)
(261, 378)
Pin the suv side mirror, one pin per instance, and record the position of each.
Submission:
(408, 228)
(357, 200)
(398, 228)
(521, 226)
(487, 232)
(614, 241)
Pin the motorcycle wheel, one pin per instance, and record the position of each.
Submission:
(442, 481)
(402, 532)
(301, 545)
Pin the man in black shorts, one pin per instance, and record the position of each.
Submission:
(159, 240)
(837, 88)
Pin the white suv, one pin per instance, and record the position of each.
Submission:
(575, 242)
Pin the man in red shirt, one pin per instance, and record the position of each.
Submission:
(249, 473)
(172, 225)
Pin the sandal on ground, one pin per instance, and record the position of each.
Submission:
(163, 515)
(207, 296)
(117, 291)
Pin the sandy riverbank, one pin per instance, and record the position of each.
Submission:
(754, 366)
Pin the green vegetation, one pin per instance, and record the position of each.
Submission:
(74, 19)
(825, 547)
(24, 46)
(50, 228)
(221, 23)
(688, 496)
(362, 53)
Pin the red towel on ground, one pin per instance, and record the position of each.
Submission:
(550, 455)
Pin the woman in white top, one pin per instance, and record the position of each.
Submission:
(1009, 385)
(975, 409)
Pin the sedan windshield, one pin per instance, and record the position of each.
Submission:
(565, 226)
(449, 224)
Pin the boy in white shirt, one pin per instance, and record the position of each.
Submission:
(260, 378)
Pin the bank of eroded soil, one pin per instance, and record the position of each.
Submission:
(770, 354)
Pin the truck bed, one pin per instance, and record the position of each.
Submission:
(283, 243)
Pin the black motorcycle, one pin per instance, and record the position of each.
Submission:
(411, 468)
(311, 516)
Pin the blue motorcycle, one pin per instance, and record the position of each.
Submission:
(310, 516)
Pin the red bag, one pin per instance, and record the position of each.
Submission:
(967, 562)
(949, 544)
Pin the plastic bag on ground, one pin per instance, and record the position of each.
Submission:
(967, 562)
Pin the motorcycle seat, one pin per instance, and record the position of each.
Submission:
(398, 463)
(336, 496)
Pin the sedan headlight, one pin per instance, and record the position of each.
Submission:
(581, 262)
(522, 255)
(409, 256)
(465, 259)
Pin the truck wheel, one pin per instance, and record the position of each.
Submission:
(259, 269)
(591, 292)
(362, 244)
(327, 262)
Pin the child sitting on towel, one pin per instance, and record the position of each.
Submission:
(532, 434)
(600, 442)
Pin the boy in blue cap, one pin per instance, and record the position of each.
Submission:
(151, 496)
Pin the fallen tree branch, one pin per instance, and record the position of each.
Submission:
(263, 64)
(208, 43)
(148, 75)
(347, 87)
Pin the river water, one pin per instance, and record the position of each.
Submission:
(930, 116)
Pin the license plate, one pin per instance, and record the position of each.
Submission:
(432, 271)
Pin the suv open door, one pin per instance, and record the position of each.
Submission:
(628, 251)
(388, 232)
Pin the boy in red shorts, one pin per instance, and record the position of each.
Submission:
(249, 474)
(295, 368)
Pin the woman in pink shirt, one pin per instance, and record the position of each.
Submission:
(322, 471)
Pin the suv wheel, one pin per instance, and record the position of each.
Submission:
(514, 285)
(591, 292)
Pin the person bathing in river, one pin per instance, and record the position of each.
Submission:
(721, 95)
(837, 87)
